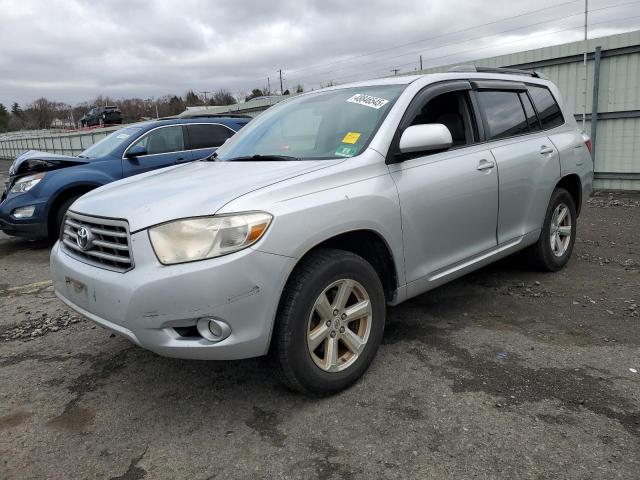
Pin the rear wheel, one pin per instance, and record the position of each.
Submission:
(554, 247)
(330, 322)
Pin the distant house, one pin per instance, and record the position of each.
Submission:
(62, 123)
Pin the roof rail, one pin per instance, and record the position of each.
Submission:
(204, 115)
(503, 70)
(215, 115)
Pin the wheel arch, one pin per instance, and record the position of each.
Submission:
(60, 197)
(572, 184)
(368, 244)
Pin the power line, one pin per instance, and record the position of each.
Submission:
(436, 36)
(324, 73)
(581, 26)
(413, 52)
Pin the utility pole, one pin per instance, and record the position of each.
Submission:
(395, 71)
(586, 47)
(268, 86)
(205, 95)
(281, 90)
(420, 62)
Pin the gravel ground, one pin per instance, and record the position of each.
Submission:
(506, 373)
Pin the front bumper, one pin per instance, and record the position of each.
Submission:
(146, 303)
(33, 227)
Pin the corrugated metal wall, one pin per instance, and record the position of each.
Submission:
(618, 139)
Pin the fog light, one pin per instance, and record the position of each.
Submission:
(213, 329)
(23, 212)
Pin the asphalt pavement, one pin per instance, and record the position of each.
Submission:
(505, 373)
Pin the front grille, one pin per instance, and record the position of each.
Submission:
(103, 242)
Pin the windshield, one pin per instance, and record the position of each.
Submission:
(110, 143)
(330, 124)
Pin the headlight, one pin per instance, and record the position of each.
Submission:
(25, 184)
(207, 237)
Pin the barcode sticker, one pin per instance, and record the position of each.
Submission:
(368, 100)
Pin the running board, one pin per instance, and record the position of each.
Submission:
(469, 263)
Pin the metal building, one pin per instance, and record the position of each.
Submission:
(612, 83)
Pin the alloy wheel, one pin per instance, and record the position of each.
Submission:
(560, 231)
(339, 325)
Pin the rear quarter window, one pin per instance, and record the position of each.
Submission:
(207, 136)
(548, 109)
(503, 112)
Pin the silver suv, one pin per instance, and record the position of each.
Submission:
(294, 237)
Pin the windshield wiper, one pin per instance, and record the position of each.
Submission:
(268, 158)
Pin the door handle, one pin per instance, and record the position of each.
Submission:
(485, 165)
(544, 150)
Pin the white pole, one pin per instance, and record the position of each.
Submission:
(586, 46)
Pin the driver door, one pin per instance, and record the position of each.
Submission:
(448, 199)
(164, 146)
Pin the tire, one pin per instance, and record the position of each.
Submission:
(322, 274)
(55, 228)
(542, 255)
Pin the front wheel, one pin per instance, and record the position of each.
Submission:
(55, 229)
(554, 247)
(330, 322)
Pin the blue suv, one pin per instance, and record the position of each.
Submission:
(42, 186)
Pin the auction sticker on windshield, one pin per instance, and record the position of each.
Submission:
(351, 137)
(368, 100)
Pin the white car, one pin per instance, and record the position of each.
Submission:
(328, 207)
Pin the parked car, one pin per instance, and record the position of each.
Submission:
(296, 234)
(107, 115)
(42, 185)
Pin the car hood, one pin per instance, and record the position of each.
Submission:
(34, 161)
(192, 190)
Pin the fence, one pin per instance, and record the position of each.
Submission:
(62, 143)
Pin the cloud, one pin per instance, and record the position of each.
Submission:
(74, 50)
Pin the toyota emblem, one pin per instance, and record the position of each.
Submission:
(83, 238)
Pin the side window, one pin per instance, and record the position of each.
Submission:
(532, 119)
(547, 107)
(207, 136)
(452, 110)
(162, 140)
(503, 113)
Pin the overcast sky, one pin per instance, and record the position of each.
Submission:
(74, 50)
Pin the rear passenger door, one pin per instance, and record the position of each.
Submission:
(205, 138)
(163, 146)
(528, 163)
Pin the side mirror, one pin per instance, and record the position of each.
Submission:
(425, 138)
(137, 151)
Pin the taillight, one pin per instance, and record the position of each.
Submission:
(587, 142)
